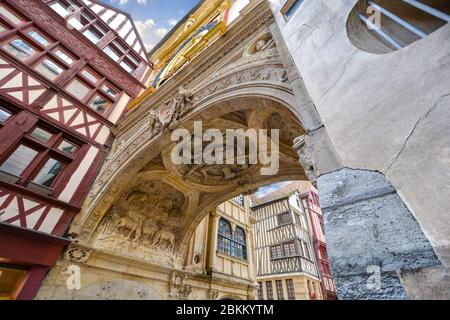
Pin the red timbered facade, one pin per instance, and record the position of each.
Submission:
(310, 202)
(68, 68)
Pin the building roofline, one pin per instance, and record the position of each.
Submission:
(269, 202)
(172, 31)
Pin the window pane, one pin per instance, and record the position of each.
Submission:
(11, 16)
(109, 91)
(67, 147)
(4, 115)
(48, 173)
(41, 135)
(2, 28)
(63, 56)
(76, 23)
(133, 59)
(49, 69)
(36, 36)
(78, 89)
(111, 53)
(99, 104)
(19, 160)
(89, 76)
(60, 9)
(91, 35)
(20, 49)
(127, 66)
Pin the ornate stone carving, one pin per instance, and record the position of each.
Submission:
(178, 289)
(305, 152)
(77, 254)
(213, 294)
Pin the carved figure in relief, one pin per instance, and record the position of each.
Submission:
(163, 236)
(149, 229)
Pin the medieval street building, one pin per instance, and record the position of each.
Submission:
(119, 179)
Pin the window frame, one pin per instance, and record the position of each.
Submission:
(45, 151)
(229, 242)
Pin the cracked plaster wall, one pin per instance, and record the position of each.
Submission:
(388, 113)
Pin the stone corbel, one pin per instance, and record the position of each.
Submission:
(305, 151)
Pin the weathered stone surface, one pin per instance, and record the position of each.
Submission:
(368, 226)
(428, 283)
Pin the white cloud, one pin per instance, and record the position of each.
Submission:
(161, 32)
(144, 27)
(143, 2)
(172, 22)
(123, 2)
(266, 190)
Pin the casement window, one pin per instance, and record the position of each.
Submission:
(119, 53)
(289, 248)
(284, 218)
(269, 290)
(231, 243)
(290, 289)
(64, 56)
(290, 7)
(20, 48)
(260, 291)
(276, 251)
(49, 68)
(38, 160)
(5, 114)
(10, 15)
(239, 200)
(306, 250)
(78, 89)
(280, 291)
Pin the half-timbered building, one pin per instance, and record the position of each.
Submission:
(68, 68)
(285, 259)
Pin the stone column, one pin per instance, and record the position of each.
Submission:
(213, 228)
(372, 237)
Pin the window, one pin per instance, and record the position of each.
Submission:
(41, 134)
(2, 28)
(276, 252)
(64, 56)
(12, 278)
(100, 104)
(67, 147)
(290, 7)
(298, 220)
(239, 199)
(280, 292)
(38, 37)
(111, 53)
(90, 76)
(19, 160)
(9, 15)
(109, 90)
(260, 291)
(289, 248)
(382, 26)
(232, 243)
(48, 173)
(49, 69)
(4, 115)
(284, 218)
(127, 66)
(306, 251)
(78, 89)
(269, 290)
(39, 160)
(20, 49)
(60, 9)
(92, 35)
(290, 289)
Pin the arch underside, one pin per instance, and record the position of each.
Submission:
(145, 206)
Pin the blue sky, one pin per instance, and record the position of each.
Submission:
(154, 18)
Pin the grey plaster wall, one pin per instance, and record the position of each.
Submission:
(370, 234)
(388, 113)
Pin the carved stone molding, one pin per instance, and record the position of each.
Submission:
(305, 151)
(77, 254)
(178, 289)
